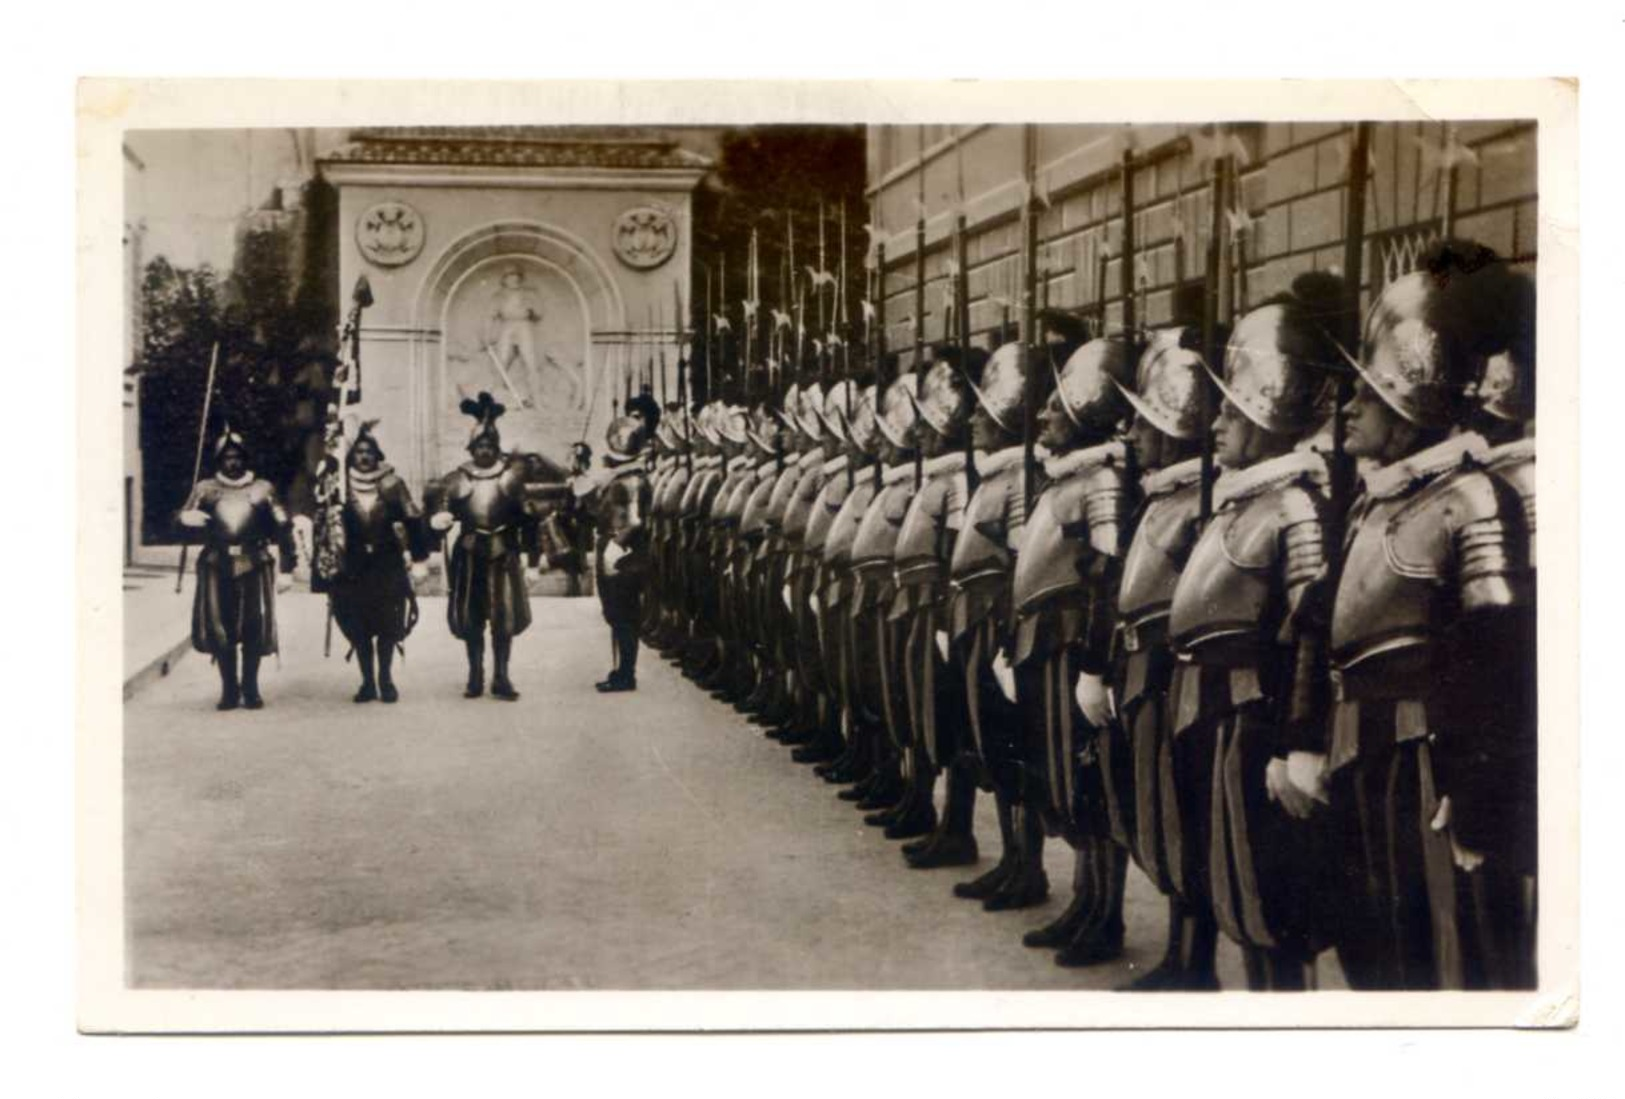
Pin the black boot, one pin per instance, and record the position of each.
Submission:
(251, 680)
(363, 659)
(230, 694)
(1100, 939)
(918, 816)
(386, 682)
(1059, 931)
(1169, 973)
(501, 687)
(1027, 885)
(980, 889)
(954, 841)
(476, 666)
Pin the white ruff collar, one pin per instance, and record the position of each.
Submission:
(1518, 450)
(1237, 485)
(496, 470)
(1075, 461)
(897, 472)
(1001, 460)
(835, 465)
(1396, 478)
(1172, 478)
(372, 478)
(809, 458)
(952, 462)
(738, 462)
(247, 478)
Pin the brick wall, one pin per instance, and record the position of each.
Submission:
(1289, 217)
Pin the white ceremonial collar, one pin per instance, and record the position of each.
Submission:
(371, 478)
(1073, 461)
(1001, 460)
(1233, 486)
(1398, 478)
(1518, 450)
(835, 465)
(1160, 482)
(738, 462)
(809, 458)
(247, 478)
(708, 461)
(951, 462)
(479, 474)
(897, 473)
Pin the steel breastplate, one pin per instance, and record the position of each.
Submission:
(799, 511)
(1156, 556)
(875, 542)
(1229, 589)
(919, 541)
(843, 529)
(236, 513)
(488, 503)
(1395, 591)
(824, 510)
(1052, 556)
(1513, 464)
(754, 518)
(981, 547)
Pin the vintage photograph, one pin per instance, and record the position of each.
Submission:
(1090, 557)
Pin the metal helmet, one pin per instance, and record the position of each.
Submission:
(1004, 387)
(862, 429)
(786, 412)
(943, 400)
(1403, 357)
(808, 409)
(1506, 388)
(733, 424)
(763, 430)
(1171, 380)
(1275, 369)
(626, 436)
(843, 396)
(1089, 388)
(897, 414)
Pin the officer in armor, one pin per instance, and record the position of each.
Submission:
(934, 686)
(485, 498)
(894, 788)
(622, 546)
(1430, 772)
(1063, 601)
(1141, 759)
(1235, 625)
(372, 596)
(972, 632)
(234, 606)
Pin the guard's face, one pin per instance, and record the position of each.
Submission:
(985, 432)
(233, 461)
(1232, 438)
(1055, 429)
(932, 442)
(1373, 429)
(1149, 444)
(484, 452)
(364, 456)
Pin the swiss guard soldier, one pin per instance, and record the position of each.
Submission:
(935, 687)
(823, 743)
(825, 578)
(373, 602)
(664, 524)
(622, 546)
(485, 497)
(1164, 833)
(234, 605)
(1235, 625)
(970, 635)
(767, 436)
(1064, 606)
(733, 429)
(894, 789)
(694, 512)
(1430, 758)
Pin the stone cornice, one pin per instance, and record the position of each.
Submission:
(342, 173)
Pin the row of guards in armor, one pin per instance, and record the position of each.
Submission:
(1311, 730)
(491, 532)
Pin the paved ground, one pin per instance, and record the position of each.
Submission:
(569, 840)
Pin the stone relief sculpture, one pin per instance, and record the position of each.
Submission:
(390, 234)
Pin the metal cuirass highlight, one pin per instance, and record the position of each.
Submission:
(982, 547)
(240, 514)
(1162, 542)
(1078, 515)
(487, 499)
(875, 543)
(922, 546)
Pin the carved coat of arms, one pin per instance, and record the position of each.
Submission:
(645, 237)
(390, 234)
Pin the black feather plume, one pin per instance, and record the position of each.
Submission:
(485, 409)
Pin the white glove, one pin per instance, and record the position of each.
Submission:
(1465, 858)
(1005, 674)
(1090, 691)
(789, 603)
(613, 553)
(543, 565)
(420, 572)
(441, 521)
(192, 517)
(942, 643)
(812, 602)
(1297, 783)
(284, 583)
